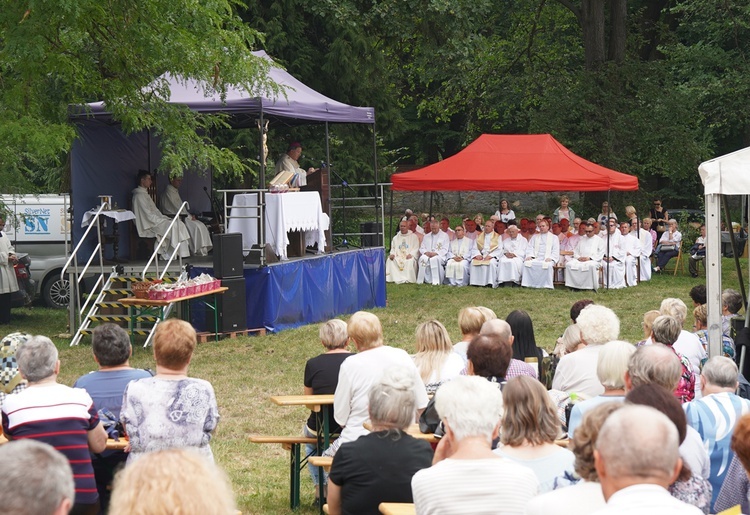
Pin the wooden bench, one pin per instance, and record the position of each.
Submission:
(296, 462)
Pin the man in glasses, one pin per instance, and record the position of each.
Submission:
(582, 272)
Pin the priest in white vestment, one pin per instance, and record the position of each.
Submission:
(151, 223)
(582, 272)
(461, 250)
(614, 257)
(401, 265)
(432, 255)
(647, 248)
(170, 203)
(489, 250)
(289, 163)
(8, 281)
(510, 265)
(542, 253)
(632, 246)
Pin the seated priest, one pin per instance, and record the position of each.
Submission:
(632, 246)
(170, 203)
(432, 255)
(510, 264)
(614, 257)
(461, 250)
(401, 265)
(484, 264)
(288, 162)
(582, 272)
(542, 253)
(151, 223)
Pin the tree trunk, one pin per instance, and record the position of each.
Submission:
(592, 25)
(618, 13)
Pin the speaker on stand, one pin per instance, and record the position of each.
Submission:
(228, 266)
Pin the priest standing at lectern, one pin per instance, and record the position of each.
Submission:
(170, 203)
(289, 163)
(151, 223)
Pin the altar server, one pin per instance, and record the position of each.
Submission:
(170, 203)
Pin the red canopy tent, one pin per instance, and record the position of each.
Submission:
(499, 162)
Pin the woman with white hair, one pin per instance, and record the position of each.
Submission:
(576, 372)
(435, 358)
(610, 369)
(466, 476)
(669, 245)
(378, 467)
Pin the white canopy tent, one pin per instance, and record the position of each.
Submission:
(725, 175)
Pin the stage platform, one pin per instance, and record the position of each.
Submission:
(306, 290)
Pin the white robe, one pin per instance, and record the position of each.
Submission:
(632, 255)
(511, 269)
(484, 273)
(544, 251)
(647, 248)
(8, 281)
(431, 269)
(200, 239)
(151, 223)
(457, 272)
(584, 275)
(614, 271)
(401, 269)
(287, 164)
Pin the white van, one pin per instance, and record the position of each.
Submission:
(39, 225)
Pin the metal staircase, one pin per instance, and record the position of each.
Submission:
(101, 305)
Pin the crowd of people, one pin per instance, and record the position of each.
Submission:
(581, 253)
(599, 425)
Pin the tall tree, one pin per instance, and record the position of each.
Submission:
(54, 54)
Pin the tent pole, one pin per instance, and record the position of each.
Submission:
(606, 222)
(431, 203)
(262, 178)
(732, 239)
(378, 199)
(713, 272)
(327, 208)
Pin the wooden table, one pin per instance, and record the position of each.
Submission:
(397, 508)
(147, 307)
(321, 406)
(112, 445)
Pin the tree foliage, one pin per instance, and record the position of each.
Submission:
(54, 54)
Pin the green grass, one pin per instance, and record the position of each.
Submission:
(246, 371)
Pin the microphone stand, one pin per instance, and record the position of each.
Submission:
(217, 217)
(344, 185)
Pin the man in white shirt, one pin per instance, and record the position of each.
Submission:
(484, 264)
(461, 250)
(637, 458)
(433, 252)
(151, 223)
(542, 253)
(401, 265)
(614, 257)
(582, 272)
(632, 247)
(510, 264)
(170, 203)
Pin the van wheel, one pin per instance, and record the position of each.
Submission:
(56, 292)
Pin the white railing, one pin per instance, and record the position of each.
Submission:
(157, 247)
(75, 276)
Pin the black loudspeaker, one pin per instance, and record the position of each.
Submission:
(231, 306)
(228, 255)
